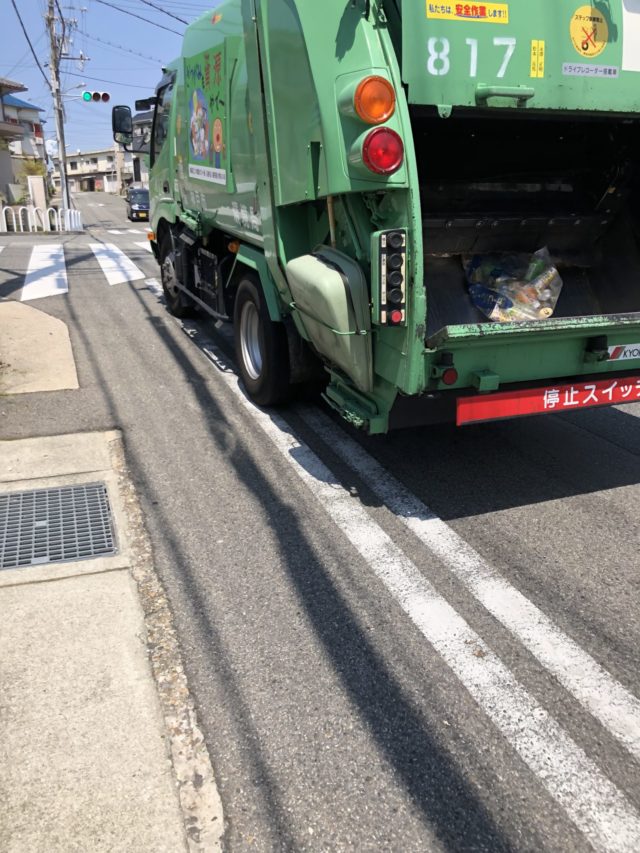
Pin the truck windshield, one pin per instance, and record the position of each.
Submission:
(139, 196)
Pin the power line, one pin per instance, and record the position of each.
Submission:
(153, 59)
(26, 35)
(133, 15)
(174, 7)
(62, 21)
(164, 11)
(102, 80)
(20, 62)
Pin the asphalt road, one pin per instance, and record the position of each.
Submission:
(424, 641)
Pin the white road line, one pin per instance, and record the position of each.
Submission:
(592, 801)
(114, 231)
(146, 245)
(46, 274)
(135, 231)
(154, 285)
(615, 707)
(115, 264)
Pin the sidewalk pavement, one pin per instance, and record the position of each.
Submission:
(99, 745)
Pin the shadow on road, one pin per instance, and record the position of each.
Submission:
(470, 471)
(436, 784)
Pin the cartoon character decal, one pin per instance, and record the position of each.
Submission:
(206, 91)
(199, 127)
(218, 143)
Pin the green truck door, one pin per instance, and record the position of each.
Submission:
(536, 55)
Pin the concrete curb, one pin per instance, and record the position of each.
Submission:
(199, 797)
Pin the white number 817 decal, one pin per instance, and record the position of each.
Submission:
(439, 62)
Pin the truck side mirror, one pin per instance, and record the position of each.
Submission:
(122, 125)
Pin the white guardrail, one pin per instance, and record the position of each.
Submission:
(34, 219)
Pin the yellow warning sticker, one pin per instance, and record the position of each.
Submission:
(487, 13)
(538, 49)
(589, 31)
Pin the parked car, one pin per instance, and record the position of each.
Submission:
(138, 204)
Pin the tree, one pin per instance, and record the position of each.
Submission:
(33, 167)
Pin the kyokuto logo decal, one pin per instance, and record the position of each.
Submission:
(626, 352)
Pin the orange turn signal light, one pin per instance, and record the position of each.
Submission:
(151, 235)
(374, 100)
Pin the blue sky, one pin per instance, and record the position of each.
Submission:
(125, 53)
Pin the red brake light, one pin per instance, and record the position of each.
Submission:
(450, 376)
(383, 151)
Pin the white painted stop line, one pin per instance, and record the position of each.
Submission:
(115, 265)
(46, 273)
(614, 706)
(154, 286)
(595, 805)
(146, 245)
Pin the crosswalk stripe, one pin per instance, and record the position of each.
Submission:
(115, 265)
(146, 246)
(135, 231)
(114, 231)
(46, 274)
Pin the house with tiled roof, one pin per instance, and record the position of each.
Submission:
(22, 132)
(26, 116)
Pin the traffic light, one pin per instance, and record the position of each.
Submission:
(96, 96)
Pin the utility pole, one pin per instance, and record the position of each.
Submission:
(54, 67)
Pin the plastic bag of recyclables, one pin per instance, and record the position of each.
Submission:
(508, 288)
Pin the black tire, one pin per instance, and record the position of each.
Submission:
(176, 301)
(261, 346)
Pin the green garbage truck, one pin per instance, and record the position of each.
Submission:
(383, 191)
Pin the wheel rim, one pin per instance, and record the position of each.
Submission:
(250, 340)
(169, 278)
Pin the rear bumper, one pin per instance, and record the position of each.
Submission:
(612, 391)
(516, 400)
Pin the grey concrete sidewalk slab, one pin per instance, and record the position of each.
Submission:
(51, 456)
(84, 761)
(100, 747)
(35, 351)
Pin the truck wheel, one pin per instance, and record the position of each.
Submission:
(261, 346)
(173, 294)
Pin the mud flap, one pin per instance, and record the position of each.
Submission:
(330, 292)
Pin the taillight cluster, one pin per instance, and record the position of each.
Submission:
(392, 255)
(373, 101)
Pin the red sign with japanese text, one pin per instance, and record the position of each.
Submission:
(539, 401)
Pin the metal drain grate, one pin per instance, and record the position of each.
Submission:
(55, 525)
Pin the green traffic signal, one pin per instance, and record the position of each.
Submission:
(96, 96)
